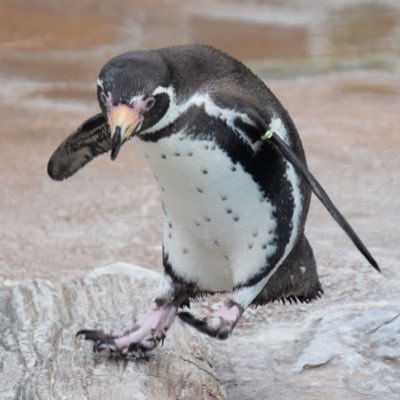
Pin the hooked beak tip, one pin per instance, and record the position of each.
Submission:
(116, 143)
(114, 154)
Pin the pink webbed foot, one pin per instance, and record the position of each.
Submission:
(147, 333)
(220, 324)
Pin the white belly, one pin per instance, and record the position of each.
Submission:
(218, 227)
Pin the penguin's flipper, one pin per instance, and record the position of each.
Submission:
(272, 137)
(286, 151)
(91, 139)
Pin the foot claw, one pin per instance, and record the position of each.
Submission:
(105, 343)
(133, 348)
(147, 333)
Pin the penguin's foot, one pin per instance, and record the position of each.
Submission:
(220, 324)
(147, 333)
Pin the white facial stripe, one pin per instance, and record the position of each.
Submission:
(246, 295)
(136, 99)
(212, 109)
(100, 84)
(174, 111)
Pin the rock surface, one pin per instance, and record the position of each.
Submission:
(338, 347)
(347, 350)
(40, 359)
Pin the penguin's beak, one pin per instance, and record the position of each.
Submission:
(115, 142)
(123, 122)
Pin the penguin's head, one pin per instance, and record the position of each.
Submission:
(130, 91)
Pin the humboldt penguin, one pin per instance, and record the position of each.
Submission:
(234, 185)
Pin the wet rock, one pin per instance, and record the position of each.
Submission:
(40, 359)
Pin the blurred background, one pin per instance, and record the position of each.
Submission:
(334, 64)
(68, 40)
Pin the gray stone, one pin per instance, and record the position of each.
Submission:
(331, 349)
(40, 358)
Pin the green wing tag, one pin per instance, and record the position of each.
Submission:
(267, 135)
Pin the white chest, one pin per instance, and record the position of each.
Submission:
(218, 227)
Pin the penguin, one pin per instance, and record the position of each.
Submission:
(233, 179)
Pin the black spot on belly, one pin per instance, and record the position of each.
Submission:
(163, 156)
(190, 154)
(264, 246)
(223, 197)
(233, 169)
(229, 211)
(236, 218)
(200, 190)
(207, 219)
(255, 234)
(204, 171)
(251, 245)
(177, 154)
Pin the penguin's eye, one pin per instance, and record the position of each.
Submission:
(149, 103)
